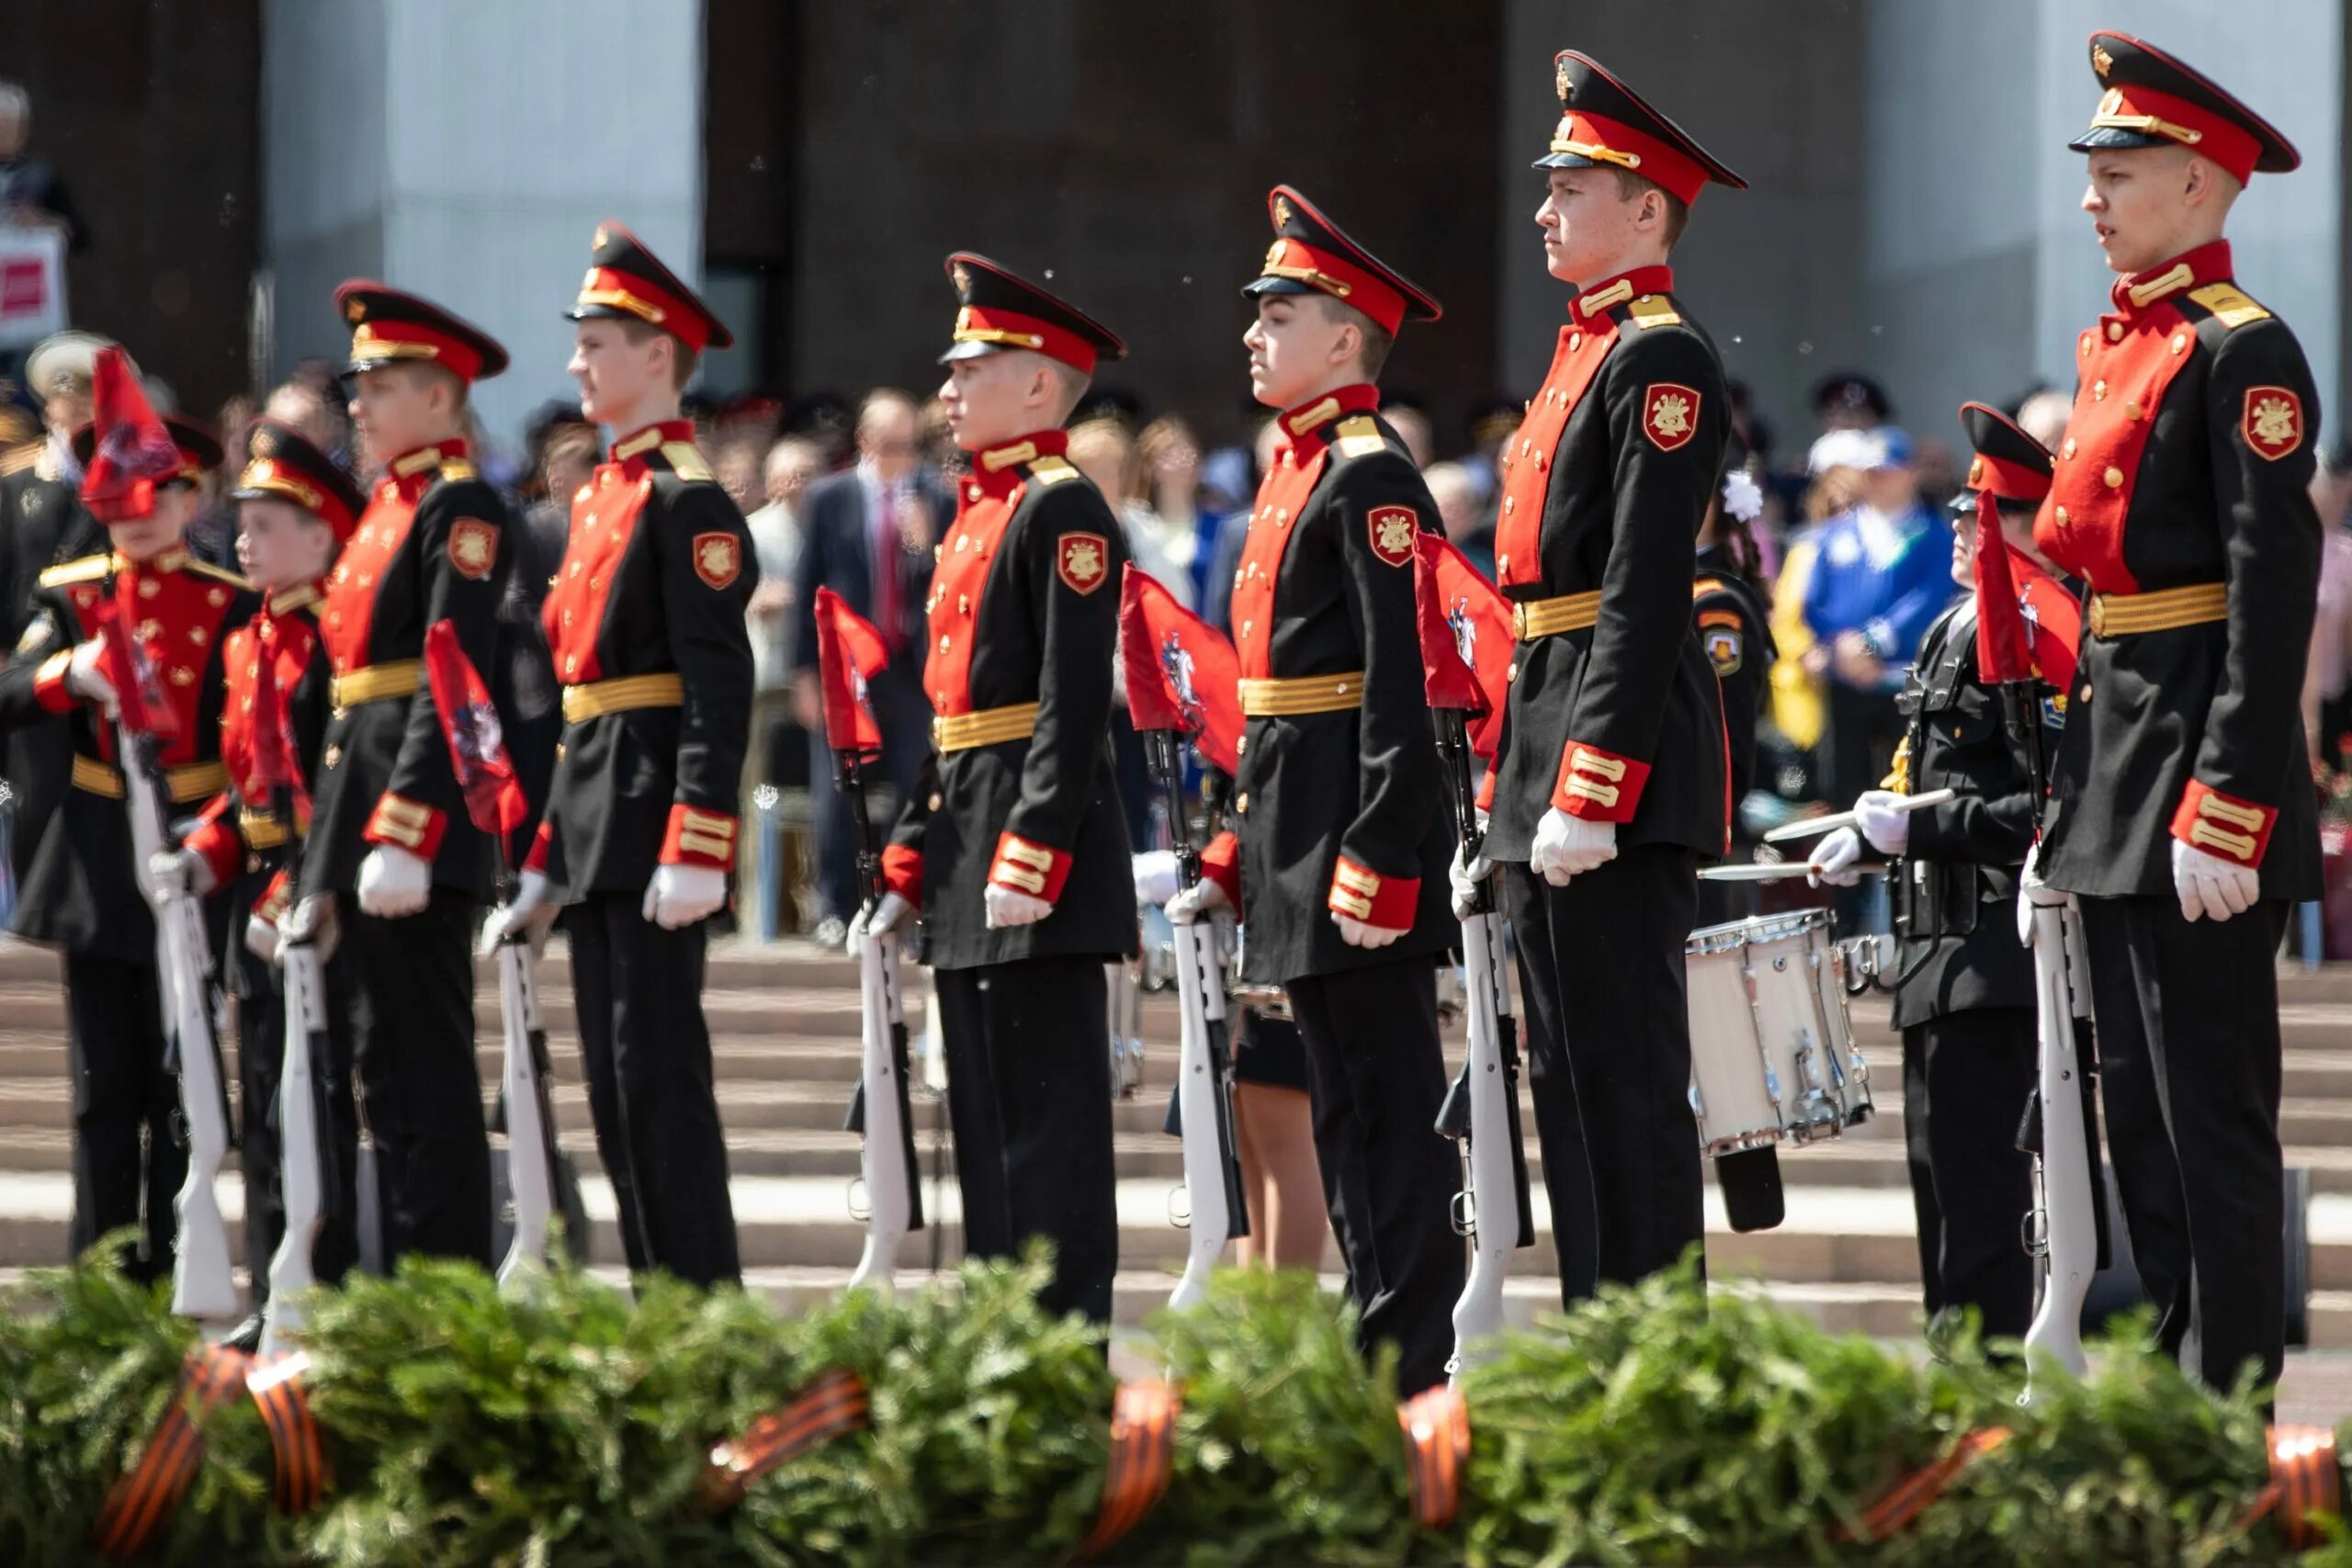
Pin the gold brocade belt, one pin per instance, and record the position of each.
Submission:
(1271, 698)
(2129, 615)
(376, 682)
(1532, 618)
(265, 829)
(962, 731)
(196, 781)
(623, 693)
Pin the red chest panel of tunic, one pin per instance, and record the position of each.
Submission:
(955, 586)
(176, 617)
(1525, 466)
(287, 642)
(349, 613)
(2126, 364)
(604, 520)
(1282, 496)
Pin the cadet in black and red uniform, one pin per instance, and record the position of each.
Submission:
(1733, 619)
(2181, 813)
(1339, 863)
(296, 508)
(389, 839)
(82, 892)
(1016, 849)
(1612, 785)
(646, 622)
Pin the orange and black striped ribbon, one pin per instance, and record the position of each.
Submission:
(833, 1404)
(1910, 1498)
(1437, 1446)
(1143, 1455)
(141, 1503)
(2306, 1485)
(301, 1476)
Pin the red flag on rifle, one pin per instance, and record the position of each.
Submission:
(1465, 638)
(850, 652)
(2027, 624)
(494, 797)
(138, 698)
(275, 767)
(1181, 673)
(130, 449)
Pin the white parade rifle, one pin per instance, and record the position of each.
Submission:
(204, 1283)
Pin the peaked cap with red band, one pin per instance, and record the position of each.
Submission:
(389, 326)
(282, 464)
(2010, 464)
(999, 310)
(1605, 123)
(2154, 100)
(627, 282)
(1311, 254)
(199, 448)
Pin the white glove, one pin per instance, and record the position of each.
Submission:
(1569, 846)
(2211, 887)
(1009, 906)
(261, 938)
(2034, 894)
(312, 915)
(1883, 822)
(394, 883)
(680, 894)
(86, 678)
(1835, 862)
(880, 920)
(1156, 876)
(1196, 901)
(1355, 934)
(174, 873)
(529, 912)
(1465, 881)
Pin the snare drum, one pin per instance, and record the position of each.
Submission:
(1772, 1051)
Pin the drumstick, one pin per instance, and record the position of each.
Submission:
(1805, 827)
(1762, 871)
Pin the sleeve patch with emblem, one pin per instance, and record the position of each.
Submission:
(1393, 530)
(1670, 415)
(2273, 423)
(473, 547)
(718, 559)
(1723, 650)
(1082, 562)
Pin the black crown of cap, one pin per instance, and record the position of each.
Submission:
(991, 286)
(2119, 60)
(617, 249)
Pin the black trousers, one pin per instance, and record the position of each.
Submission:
(1376, 1077)
(261, 1062)
(413, 1041)
(2199, 1002)
(1029, 1097)
(1600, 963)
(128, 1156)
(1966, 1077)
(646, 1049)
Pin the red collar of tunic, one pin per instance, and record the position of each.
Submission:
(280, 601)
(631, 451)
(2191, 269)
(410, 474)
(998, 469)
(1613, 291)
(1313, 421)
(162, 564)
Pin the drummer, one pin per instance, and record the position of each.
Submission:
(1964, 997)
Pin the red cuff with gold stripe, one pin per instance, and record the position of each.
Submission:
(542, 842)
(213, 838)
(2222, 825)
(698, 837)
(1221, 863)
(50, 689)
(413, 825)
(1598, 786)
(902, 872)
(1363, 894)
(1027, 866)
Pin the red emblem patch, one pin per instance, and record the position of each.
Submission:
(1083, 562)
(718, 560)
(1670, 415)
(2273, 423)
(473, 547)
(1393, 529)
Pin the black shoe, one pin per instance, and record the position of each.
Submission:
(246, 1336)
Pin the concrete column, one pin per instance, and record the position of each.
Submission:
(467, 152)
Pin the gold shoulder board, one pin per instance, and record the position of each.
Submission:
(686, 460)
(1657, 311)
(89, 568)
(2229, 303)
(1359, 436)
(458, 469)
(1050, 471)
(218, 574)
